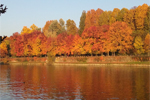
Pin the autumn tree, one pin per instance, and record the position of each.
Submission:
(138, 44)
(140, 15)
(77, 46)
(13, 40)
(114, 15)
(43, 45)
(82, 22)
(89, 39)
(147, 44)
(51, 44)
(3, 49)
(19, 46)
(104, 18)
(54, 28)
(46, 27)
(120, 37)
(120, 16)
(69, 40)
(147, 21)
(94, 39)
(98, 13)
(71, 27)
(62, 24)
(129, 18)
(32, 28)
(92, 17)
(61, 43)
(27, 46)
(26, 30)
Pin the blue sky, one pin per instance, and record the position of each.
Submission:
(27, 12)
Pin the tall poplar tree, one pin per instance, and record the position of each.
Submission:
(82, 22)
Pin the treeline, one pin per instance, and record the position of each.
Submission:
(100, 32)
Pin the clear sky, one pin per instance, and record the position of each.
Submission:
(27, 12)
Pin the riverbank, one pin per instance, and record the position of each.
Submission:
(103, 64)
(81, 61)
(83, 64)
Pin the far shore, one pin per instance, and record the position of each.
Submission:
(80, 61)
(81, 64)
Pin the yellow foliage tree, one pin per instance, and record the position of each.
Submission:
(27, 30)
(114, 15)
(120, 37)
(3, 49)
(147, 44)
(140, 14)
(34, 27)
(129, 18)
(138, 44)
(104, 18)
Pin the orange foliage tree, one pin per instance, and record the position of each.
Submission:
(13, 40)
(95, 39)
(77, 46)
(92, 18)
(140, 14)
(3, 49)
(120, 37)
(46, 27)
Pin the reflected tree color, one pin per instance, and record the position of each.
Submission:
(72, 82)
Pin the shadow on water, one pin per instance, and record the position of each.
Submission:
(74, 82)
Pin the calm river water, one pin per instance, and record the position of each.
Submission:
(74, 82)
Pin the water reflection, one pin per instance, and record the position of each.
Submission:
(72, 82)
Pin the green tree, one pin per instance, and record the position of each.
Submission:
(82, 22)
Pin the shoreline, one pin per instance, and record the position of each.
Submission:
(76, 64)
(100, 64)
(80, 61)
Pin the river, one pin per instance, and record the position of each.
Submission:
(74, 82)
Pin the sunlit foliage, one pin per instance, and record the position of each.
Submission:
(124, 31)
